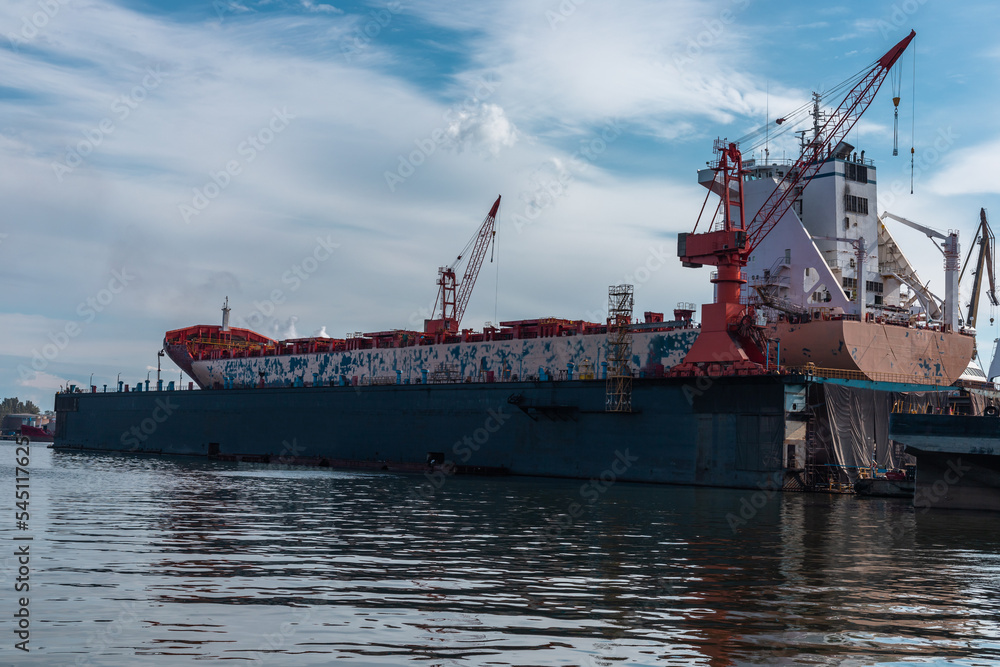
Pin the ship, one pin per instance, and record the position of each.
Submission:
(819, 327)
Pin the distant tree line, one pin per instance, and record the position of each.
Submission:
(11, 406)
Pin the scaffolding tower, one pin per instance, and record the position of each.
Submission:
(618, 393)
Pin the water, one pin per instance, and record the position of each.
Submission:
(147, 561)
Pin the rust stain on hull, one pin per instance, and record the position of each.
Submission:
(873, 348)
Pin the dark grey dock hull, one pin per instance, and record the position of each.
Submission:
(729, 432)
(958, 459)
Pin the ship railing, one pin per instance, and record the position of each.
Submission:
(975, 384)
(225, 343)
(845, 374)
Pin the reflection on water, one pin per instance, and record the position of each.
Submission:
(154, 561)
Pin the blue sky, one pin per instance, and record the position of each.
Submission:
(158, 157)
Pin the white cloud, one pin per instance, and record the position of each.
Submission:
(44, 381)
(484, 128)
(320, 7)
(969, 170)
(648, 62)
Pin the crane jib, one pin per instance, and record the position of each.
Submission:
(838, 125)
(890, 58)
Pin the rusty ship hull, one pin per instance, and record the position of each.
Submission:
(878, 351)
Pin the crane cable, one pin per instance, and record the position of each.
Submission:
(913, 115)
(496, 291)
(897, 83)
(761, 135)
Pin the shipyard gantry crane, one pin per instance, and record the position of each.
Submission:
(729, 337)
(453, 297)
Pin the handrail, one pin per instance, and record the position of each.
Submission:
(845, 374)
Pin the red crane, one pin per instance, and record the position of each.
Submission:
(728, 334)
(453, 297)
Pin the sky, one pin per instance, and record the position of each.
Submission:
(317, 162)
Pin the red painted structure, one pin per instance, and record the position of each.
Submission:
(453, 297)
(730, 340)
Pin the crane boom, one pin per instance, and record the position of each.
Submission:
(931, 233)
(483, 239)
(453, 297)
(838, 125)
(949, 248)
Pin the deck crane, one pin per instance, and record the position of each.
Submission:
(453, 297)
(984, 238)
(948, 248)
(861, 253)
(729, 337)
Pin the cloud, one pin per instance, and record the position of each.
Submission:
(484, 128)
(652, 64)
(44, 381)
(320, 7)
(967, 171)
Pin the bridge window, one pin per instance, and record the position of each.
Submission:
(854, 204)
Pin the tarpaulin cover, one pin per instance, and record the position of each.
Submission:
(856, 433)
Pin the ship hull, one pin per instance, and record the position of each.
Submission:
(552, 356)
(729, 432)
(879, 351)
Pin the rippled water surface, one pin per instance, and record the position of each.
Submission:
(148, 561)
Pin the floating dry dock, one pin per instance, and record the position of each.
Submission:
(797, 430)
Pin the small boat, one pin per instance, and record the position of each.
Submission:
(35, 434)
(892, 484)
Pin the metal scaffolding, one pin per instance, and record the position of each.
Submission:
(618, 395)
